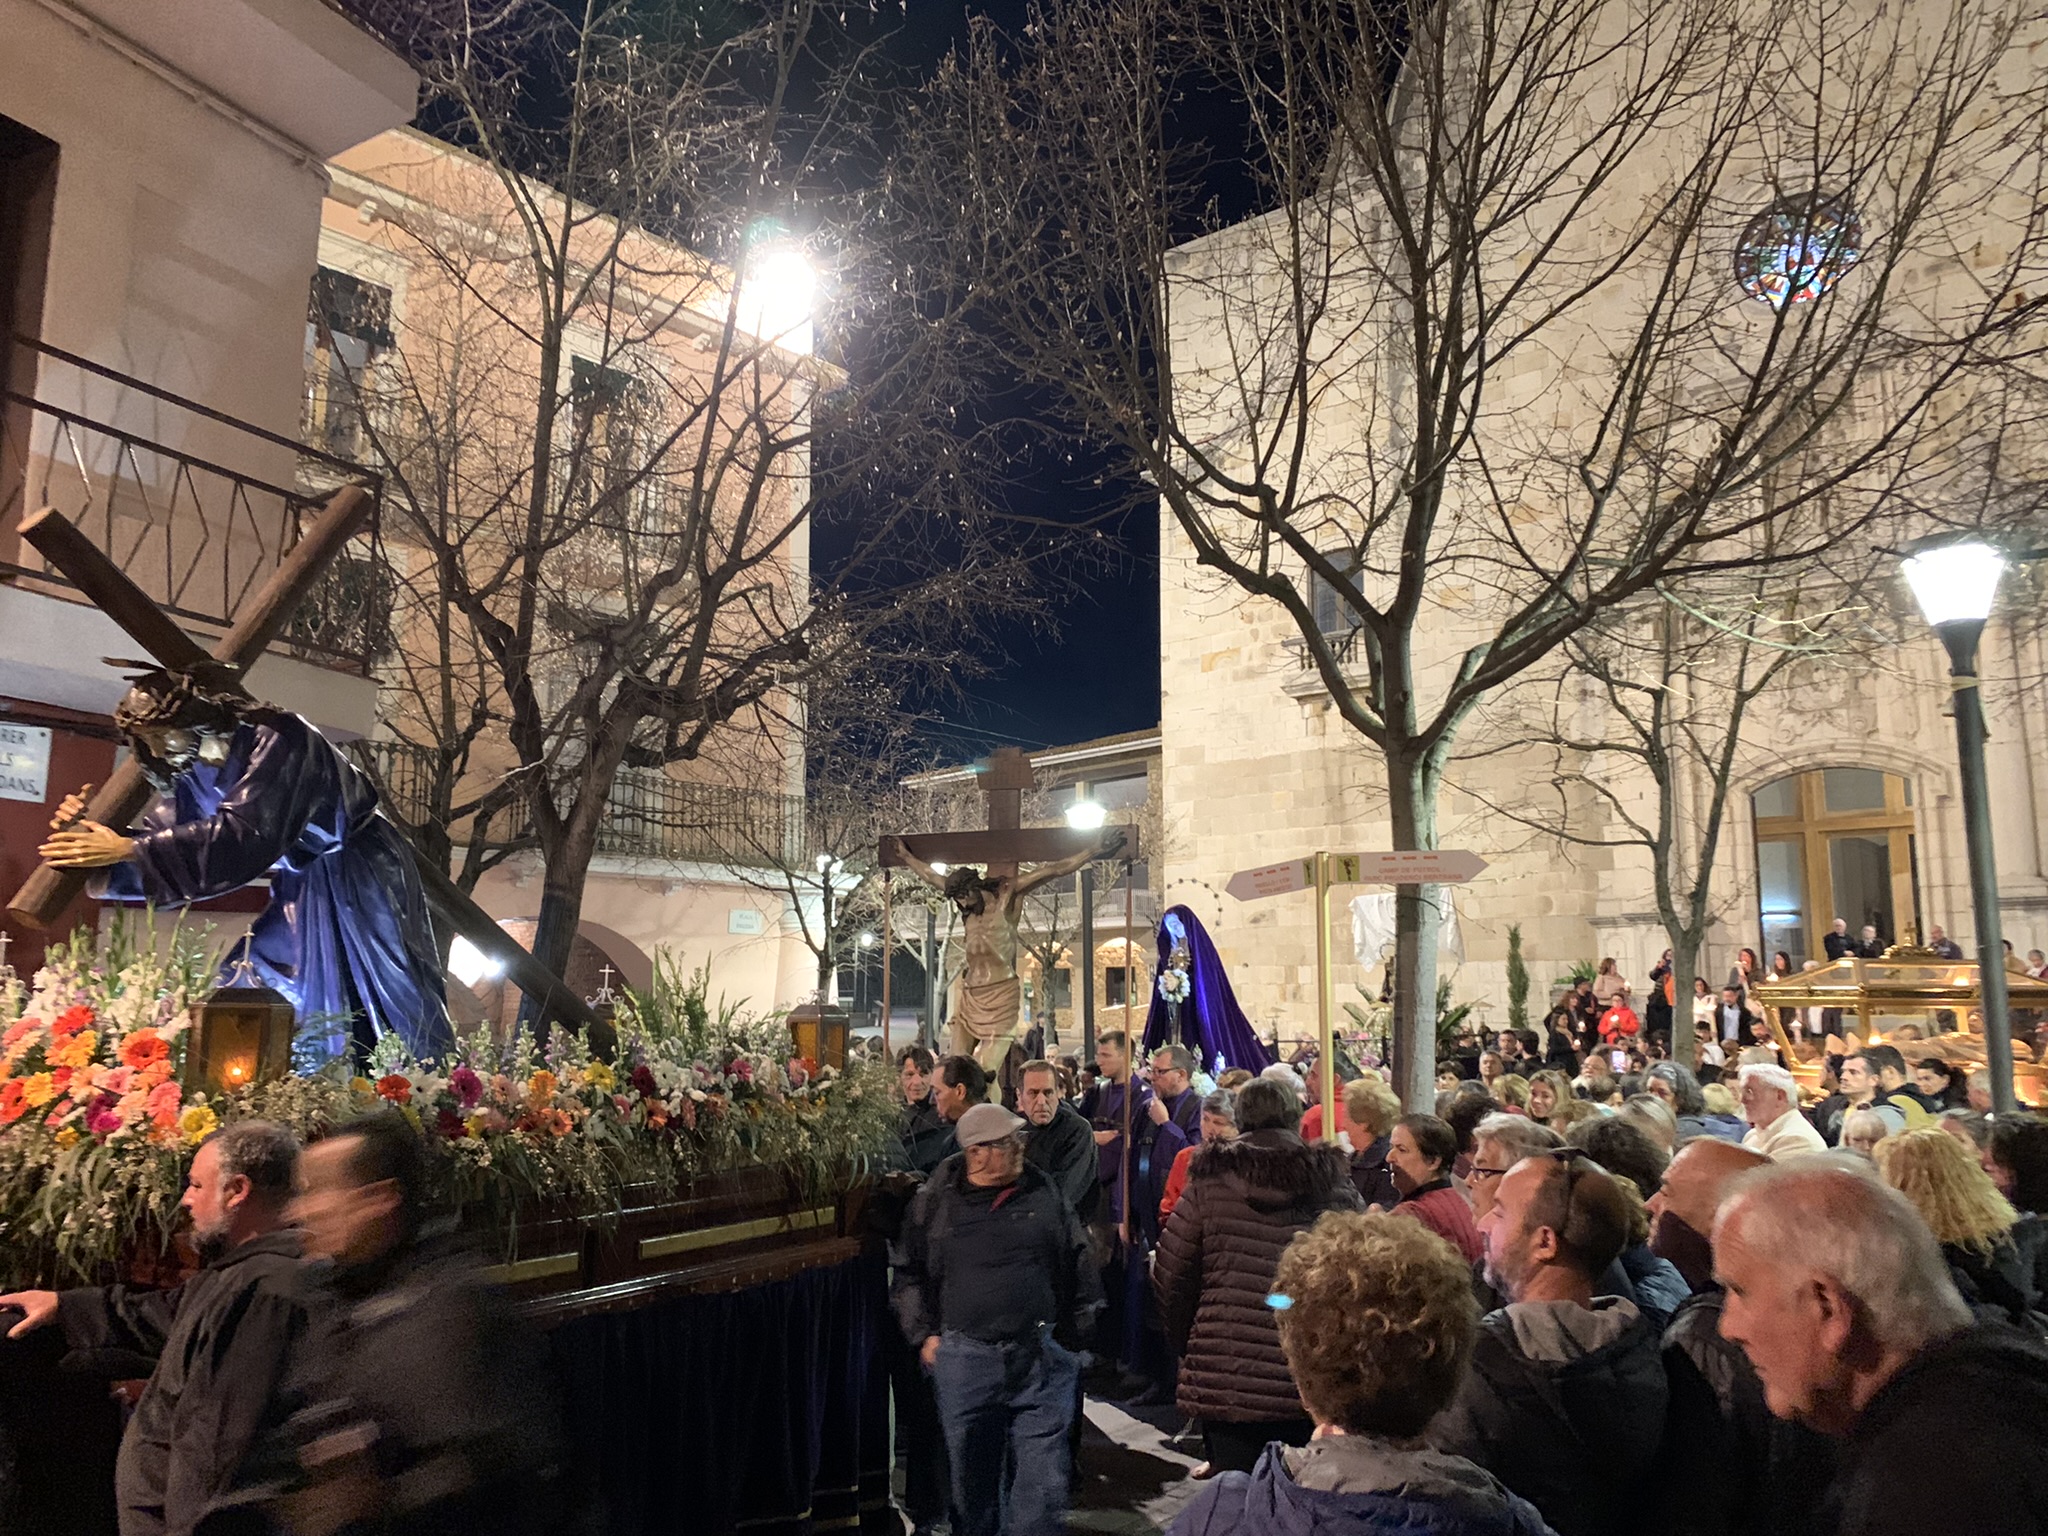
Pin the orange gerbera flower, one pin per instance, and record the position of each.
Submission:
(142, 1047)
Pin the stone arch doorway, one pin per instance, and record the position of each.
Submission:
(1835, 842)
(600, 957)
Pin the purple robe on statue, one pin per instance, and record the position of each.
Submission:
(1211, 1023)
(346, 931)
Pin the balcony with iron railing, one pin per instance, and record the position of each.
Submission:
(191, 506)
(648, 815)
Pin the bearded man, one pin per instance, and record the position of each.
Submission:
(218, 1344)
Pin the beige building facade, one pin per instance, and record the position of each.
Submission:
(387, 325)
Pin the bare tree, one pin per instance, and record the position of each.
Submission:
(1542, 299)
(637, 512)
(1639, 726)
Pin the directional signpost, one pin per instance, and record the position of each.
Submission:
(1435, 866)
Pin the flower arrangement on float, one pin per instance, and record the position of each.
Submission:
(96, 1130)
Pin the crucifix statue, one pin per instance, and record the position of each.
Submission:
(986, 1007)
(246, 791)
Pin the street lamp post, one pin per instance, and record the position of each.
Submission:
(1955, 583)
(1086, 815)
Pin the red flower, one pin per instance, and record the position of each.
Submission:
(467, 1087)
(396, 1087)
(450, 1124)
(71, 1021)
(643, 1082)
(11, 1107)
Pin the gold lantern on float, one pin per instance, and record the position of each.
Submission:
(820, 1034)
(241, 1035)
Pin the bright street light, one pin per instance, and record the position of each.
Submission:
(867, 941)
(470, 965)
(1086, 815)
(778, 292)
(1954, 583)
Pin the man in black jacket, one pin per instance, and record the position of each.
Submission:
(1841, 1299)
(1565, 1399)
(421, 1405)
(1057, 1138)
(1728, 1466)
(218, 1343)
(926, 1134)
(992, 1263)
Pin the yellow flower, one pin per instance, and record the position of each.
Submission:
(363, 1086)
(198, 1123)
(598, 1075)
(68, 1137)
(477, 1124)
(38, 1090)
(540, 1087)
(77, 1051)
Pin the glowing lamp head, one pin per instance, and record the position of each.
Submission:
(470, 965)
(1955, 583)
(867, 941)
(1086, 815)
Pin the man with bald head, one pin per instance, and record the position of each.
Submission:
(1730, 1465)
(1841, 1299)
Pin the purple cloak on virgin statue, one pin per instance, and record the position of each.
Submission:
(1209, 1022)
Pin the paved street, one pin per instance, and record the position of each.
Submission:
(1132, 1482)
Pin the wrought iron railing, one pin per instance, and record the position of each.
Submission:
(197, 531)
(648, 815)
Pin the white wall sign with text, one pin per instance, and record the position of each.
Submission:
(25, 762)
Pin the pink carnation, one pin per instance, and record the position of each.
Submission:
(103, 1119)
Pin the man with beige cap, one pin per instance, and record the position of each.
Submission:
(992, 1274)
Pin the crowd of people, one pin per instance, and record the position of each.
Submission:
(334, 1365)
(1582, 1295)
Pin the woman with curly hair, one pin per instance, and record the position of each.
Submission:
(1998, 1258)
(1377, 1323)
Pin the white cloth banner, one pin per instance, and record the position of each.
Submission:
(1372, 926)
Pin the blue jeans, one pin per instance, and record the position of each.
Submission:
(1005, 1409)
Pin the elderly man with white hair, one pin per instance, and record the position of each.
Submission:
(1770, 1103)
(1840, 1297)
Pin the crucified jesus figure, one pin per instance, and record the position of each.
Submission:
(987, 1002)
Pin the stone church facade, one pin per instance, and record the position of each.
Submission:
(1844, 801)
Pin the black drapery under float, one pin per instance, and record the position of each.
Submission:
(763, 1410)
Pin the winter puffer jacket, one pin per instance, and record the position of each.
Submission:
(1565, 1405)
(1354, 1485)
(1245, 1201)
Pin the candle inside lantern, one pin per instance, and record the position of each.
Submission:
(237, 1071)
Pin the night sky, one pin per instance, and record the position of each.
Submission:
(1095, 671)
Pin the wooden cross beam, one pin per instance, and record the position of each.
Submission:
(49, 890)
(1006, 843)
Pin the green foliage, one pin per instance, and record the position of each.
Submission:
(1518, 983)
(1449, 1020)
(1582, 970)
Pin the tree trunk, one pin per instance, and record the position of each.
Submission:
(1412, 780)
(561, 906)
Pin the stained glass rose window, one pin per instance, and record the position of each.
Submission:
(1797, 249)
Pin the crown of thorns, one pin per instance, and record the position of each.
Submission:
(207, 694)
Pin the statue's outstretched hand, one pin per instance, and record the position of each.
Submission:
(70, 809)
(1115, 843)
(86, 845)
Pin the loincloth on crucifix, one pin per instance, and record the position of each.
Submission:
(987, 1018)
